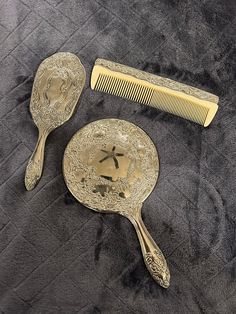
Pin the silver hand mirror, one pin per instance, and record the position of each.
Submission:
(111, 166)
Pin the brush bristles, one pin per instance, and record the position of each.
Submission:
(148, 96)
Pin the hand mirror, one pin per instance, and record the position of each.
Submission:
(111, 166)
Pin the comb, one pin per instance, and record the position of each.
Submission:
(162, 93)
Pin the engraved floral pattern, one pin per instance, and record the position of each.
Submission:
(157, 266)
(68, 67)
(52, 105)
(82, 179)
(32, 175)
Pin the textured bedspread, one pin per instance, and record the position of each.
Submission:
(56, 256)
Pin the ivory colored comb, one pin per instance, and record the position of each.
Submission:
(179, 99)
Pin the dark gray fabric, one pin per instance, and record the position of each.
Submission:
(59, 257)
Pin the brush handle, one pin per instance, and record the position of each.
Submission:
(34, 168)
(152, 255)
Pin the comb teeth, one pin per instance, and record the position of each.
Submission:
(147, 96)
(125, 89)
(151, 90)
(172, 104)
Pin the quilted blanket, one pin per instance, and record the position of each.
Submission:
(58, 257)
